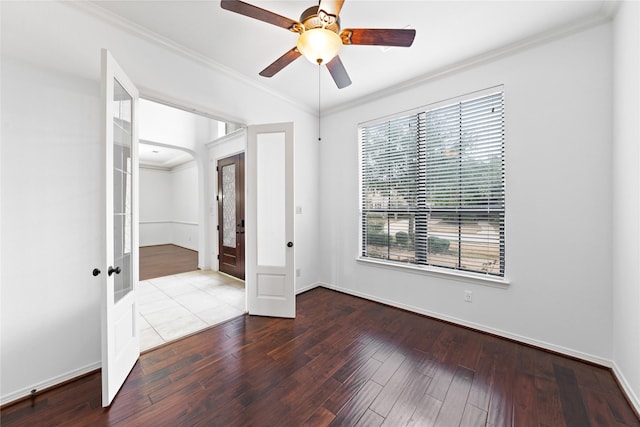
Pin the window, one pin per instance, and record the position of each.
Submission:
(432, 187)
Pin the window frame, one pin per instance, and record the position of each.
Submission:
(493, 279)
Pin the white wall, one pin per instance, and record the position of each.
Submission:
(169, 206)
(170, 126)
(558, 198)
(155, 207)
(626, 198)
(51, 166)
(185, 203)
(52, 210)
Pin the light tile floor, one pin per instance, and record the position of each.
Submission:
(175, 306)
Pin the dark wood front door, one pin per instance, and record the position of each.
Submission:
(231, 215)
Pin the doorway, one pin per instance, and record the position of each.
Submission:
(178, 293)
(231, 223)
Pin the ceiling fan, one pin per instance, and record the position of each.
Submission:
(320, 37)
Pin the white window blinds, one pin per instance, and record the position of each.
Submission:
(432, 187)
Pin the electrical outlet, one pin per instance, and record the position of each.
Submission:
(468, 296)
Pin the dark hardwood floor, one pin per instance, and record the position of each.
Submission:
(165, 260)
(342, 361)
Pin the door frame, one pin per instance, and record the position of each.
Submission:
(226, 146)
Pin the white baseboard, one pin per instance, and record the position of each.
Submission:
(309, 287)
(71, 375)
(622, 380)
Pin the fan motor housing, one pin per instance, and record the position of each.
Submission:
(313, 18)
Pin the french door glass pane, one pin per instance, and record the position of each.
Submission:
(122, 197)
(271, 237)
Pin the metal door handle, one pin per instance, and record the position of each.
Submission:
(95, 272)
(290, 244)
(112, 270)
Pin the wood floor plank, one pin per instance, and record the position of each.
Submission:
(350, 387)
(426, 412)
(525, 409)
(306, 406)
(408, 400)
(370, 419)
(473, 417)
(548, 402)
(393, 389)
(355, 408)
(342, 361)
(443, 376)
(456, 398)
(543, 365)
(573, 408)
(388, 368)
(501, 403)
(359, 358)
(470, 345)
(165, 260)
(321, 417)
(598, 408)
(480, 393)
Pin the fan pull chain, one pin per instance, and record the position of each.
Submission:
(319, 135)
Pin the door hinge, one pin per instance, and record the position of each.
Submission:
(218, 227)
(217, 198)
(218, 256)
(217, 169)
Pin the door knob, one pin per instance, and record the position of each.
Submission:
(95, 272)
(290, 244)
(113, 270)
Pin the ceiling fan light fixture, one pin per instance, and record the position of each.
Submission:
(319, 45)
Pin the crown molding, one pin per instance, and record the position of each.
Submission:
(155, 38)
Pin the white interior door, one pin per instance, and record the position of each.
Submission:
(120, 341)
(270, 262)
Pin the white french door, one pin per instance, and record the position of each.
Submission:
(270, 262)
(120, 340)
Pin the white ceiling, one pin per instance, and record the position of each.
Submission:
(161, 157)
(448, 33)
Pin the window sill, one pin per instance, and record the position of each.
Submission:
(480, 279)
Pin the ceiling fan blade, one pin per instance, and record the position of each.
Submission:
(378, 36)
(258, 13)
(331, 7)
(281, 62)
(338, 72)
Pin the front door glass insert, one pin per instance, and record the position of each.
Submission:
(229, 205)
